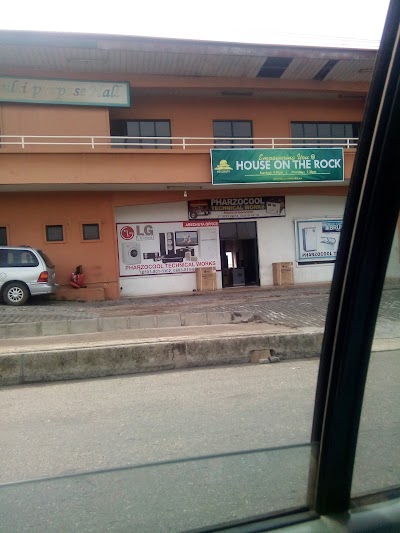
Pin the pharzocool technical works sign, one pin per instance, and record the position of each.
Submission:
(280, 165)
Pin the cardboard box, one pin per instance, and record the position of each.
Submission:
(282, 273)
(206, 271)
(206, 279)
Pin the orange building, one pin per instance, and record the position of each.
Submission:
(105, 157)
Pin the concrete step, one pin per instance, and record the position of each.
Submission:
(118, 323)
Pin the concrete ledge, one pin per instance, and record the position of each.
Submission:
(89, 294)
(55, 327)
(86, 325)
(11, 371)
(168, 321)
(195, 319)
(113, 323)
(243, 317)
(142, 322)
(105, 360)
(219, 317)
(26, 329)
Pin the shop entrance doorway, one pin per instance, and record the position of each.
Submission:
(239, 254)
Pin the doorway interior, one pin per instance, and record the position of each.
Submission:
(239, 254)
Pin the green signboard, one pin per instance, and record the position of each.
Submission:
(279, 165)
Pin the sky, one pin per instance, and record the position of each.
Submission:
(338, 23)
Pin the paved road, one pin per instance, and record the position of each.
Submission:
(67, 427)
(102, 423)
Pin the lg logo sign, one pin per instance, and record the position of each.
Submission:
(127, 233)
(143, 233)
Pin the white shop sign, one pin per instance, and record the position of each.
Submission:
(156, 248)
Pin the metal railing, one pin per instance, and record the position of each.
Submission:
(182, 143)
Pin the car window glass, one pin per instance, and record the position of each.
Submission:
(18, 258)
(48, 262)
(377, 465)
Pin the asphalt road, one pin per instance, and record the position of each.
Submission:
(62, 428)
(75, 426)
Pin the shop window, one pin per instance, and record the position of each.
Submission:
(324, 133)
(54, 233)
(234, 133)
(91, 232)
(133, 133)
(3, 236)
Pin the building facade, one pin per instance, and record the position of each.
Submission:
(105, 157)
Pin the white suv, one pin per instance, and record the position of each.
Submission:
(24, 272)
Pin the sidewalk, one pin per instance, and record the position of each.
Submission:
(294, 307)
(96, 339)
(300, 306)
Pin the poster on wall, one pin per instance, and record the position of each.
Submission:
(231, 208)
(317, 239)
(155, 248)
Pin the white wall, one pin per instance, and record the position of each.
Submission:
(276, 237)
(167, 283)
(276, 243)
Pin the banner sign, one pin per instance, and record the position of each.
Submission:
(280, 165)
(167, 247)
(317, 239)
(229, 208)
(64, 92)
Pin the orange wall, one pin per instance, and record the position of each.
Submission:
(26, 214)
(53, 120)
(124, 168)
(193, 117)
(190, 116)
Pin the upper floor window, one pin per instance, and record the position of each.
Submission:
(325, 133)
(233, 133)
(141, 133)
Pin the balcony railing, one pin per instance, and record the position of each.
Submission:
(168, 143)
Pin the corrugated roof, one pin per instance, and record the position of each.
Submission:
(142, 55)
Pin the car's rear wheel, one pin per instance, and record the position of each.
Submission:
(15, 293)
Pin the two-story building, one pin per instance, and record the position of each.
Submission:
(105, 157)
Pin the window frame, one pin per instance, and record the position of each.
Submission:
(363, 254)
(318, 139)
(140, 145)
(228, 142)
(7, 234)
(357, 284)
(83, 224)
(54, 241)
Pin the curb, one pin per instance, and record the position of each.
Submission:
(42, 366)
(100, 325)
